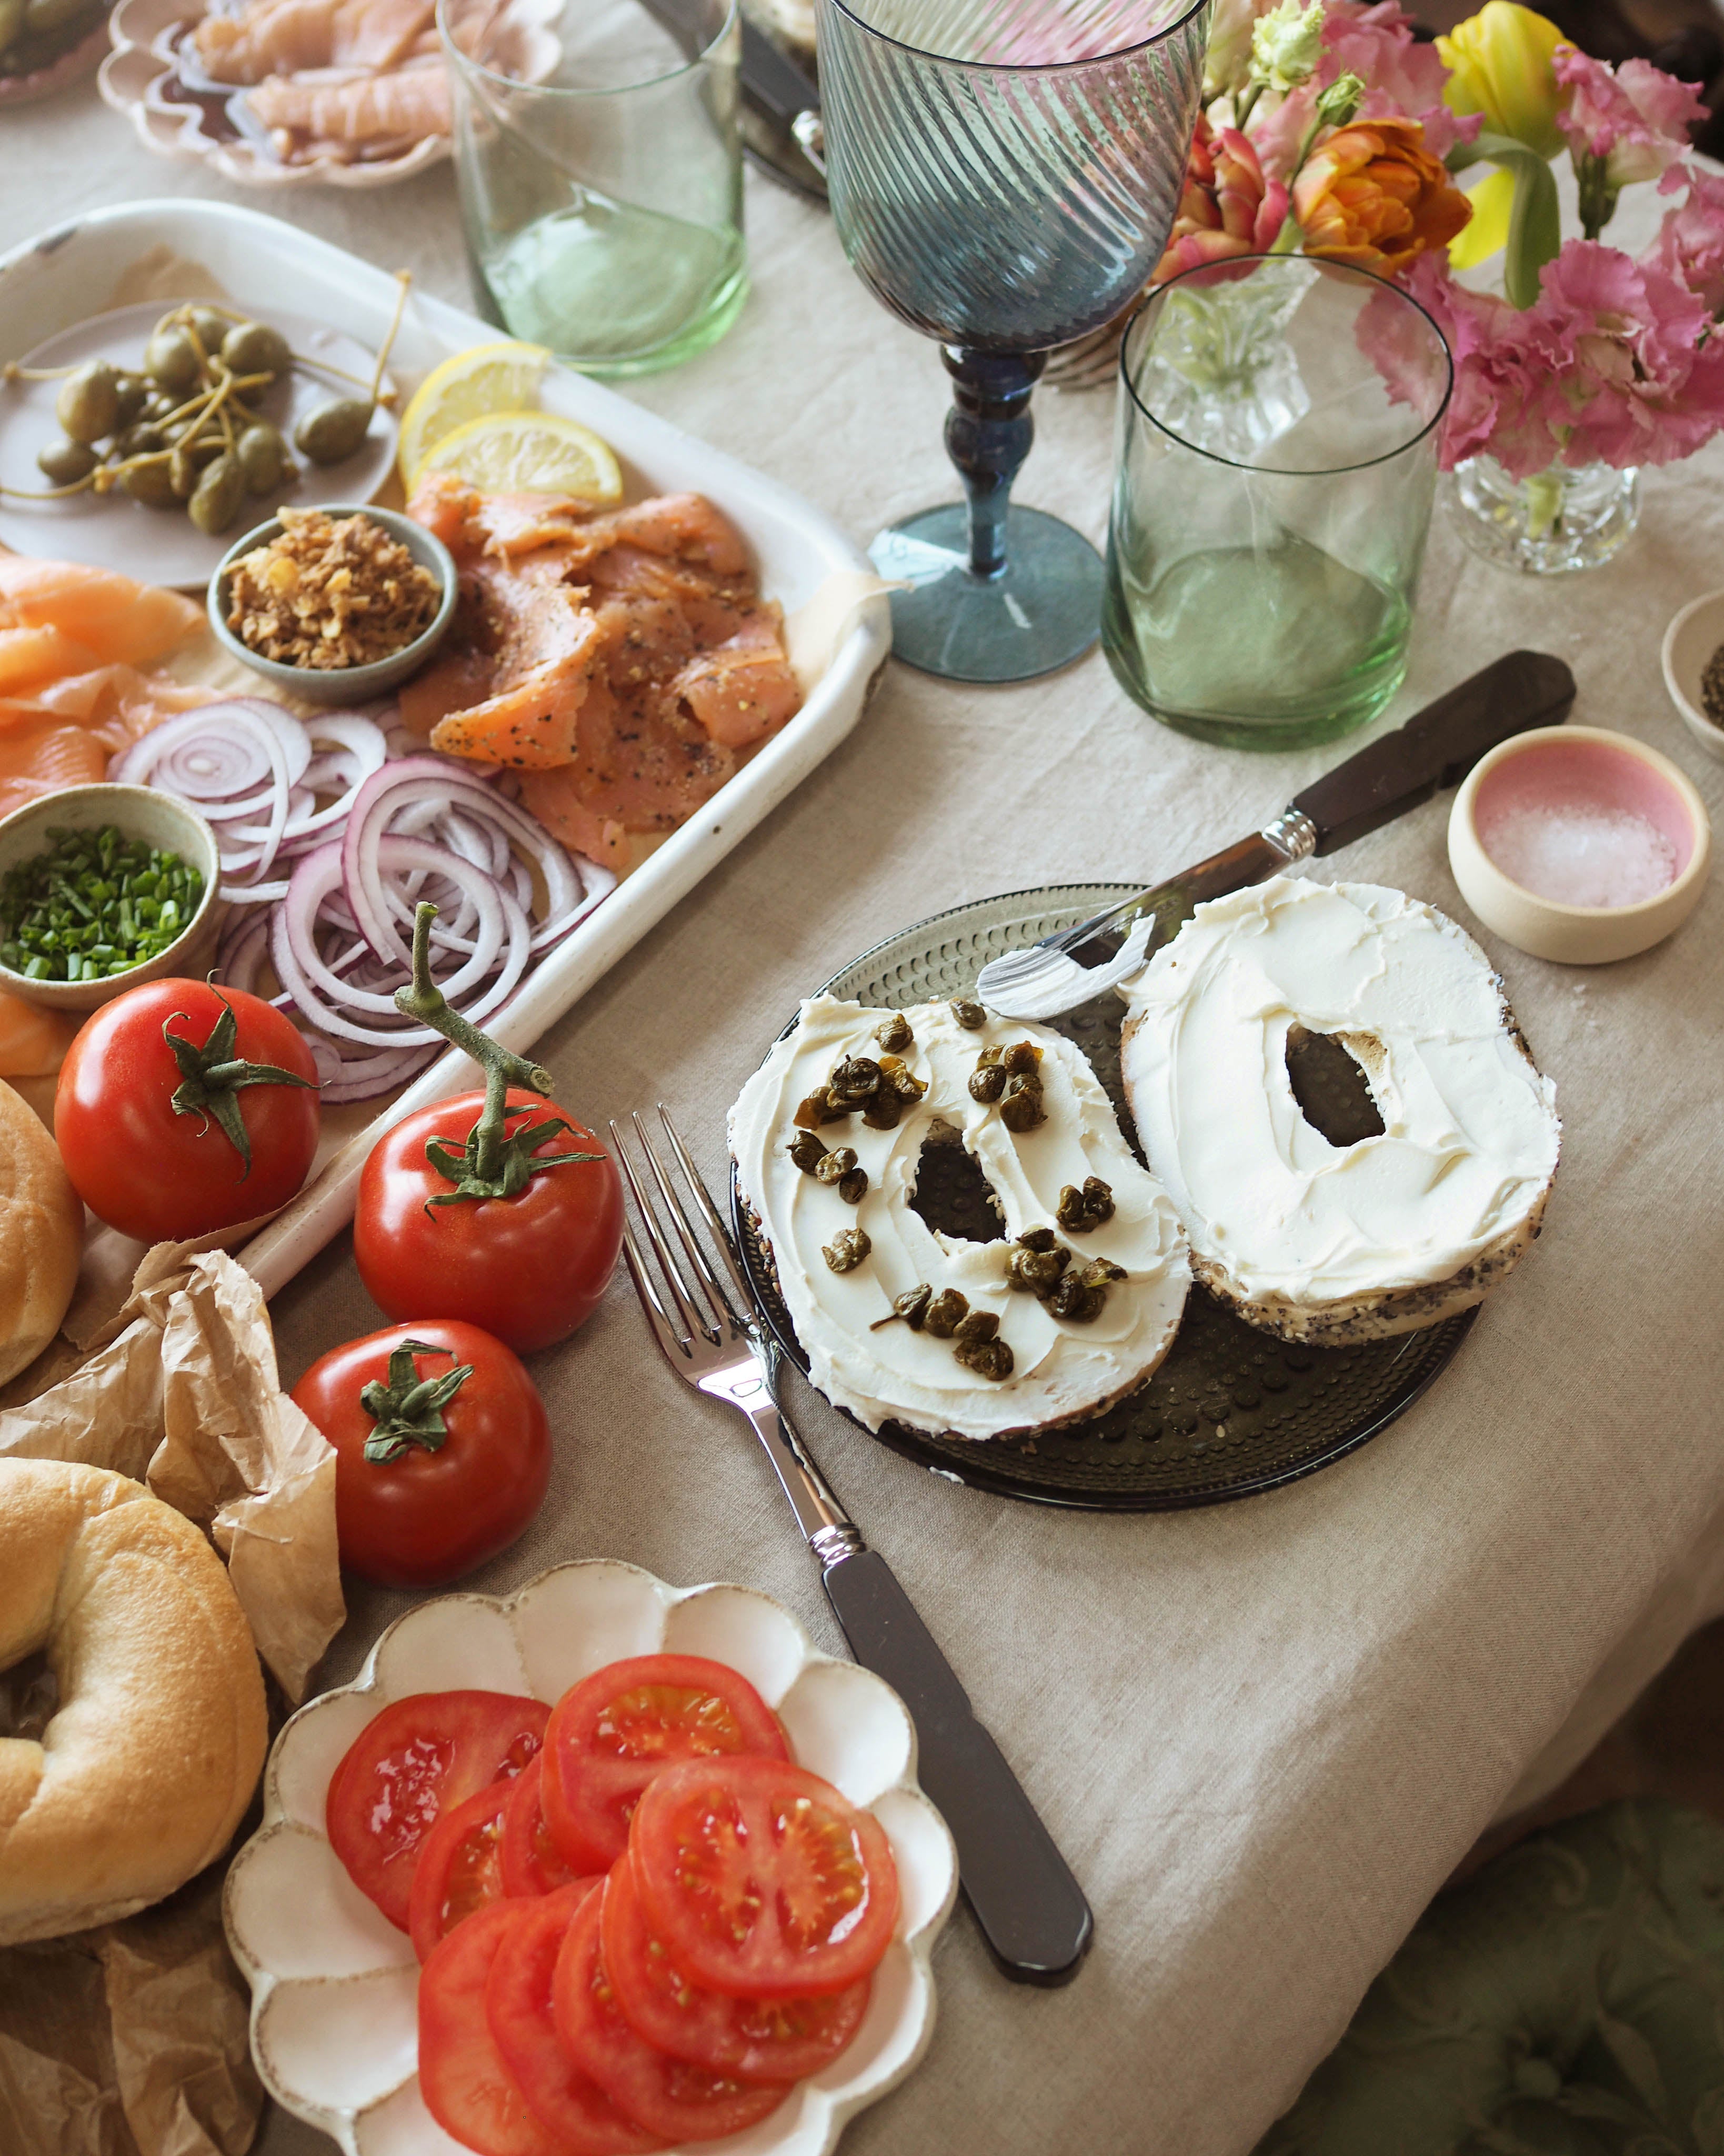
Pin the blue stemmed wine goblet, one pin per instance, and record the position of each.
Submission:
(1003, 175)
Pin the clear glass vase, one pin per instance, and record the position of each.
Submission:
(1557, 521)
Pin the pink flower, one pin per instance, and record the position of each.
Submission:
(1616, 363)
(1690, 245)
(1499, 404)
(1403, 79)
(1635, 117)
(1633, 375)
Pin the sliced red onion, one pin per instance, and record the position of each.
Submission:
(358, 1075)
(324, 1000)
(335, 918)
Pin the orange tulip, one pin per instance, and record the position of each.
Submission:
(1228, 207)
(1373, 194)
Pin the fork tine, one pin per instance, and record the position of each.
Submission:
(703, 1198)
(661, 1250)
(697, 1257)
(675, 1346)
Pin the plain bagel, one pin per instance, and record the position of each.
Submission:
(41, 1236)
(1319, 1242)
(158, 1735)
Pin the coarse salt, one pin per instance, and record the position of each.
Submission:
(1578, 853)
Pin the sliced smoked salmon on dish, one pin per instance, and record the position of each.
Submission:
(623, 660)
(59, 617)
(48, 761)
(521, 654)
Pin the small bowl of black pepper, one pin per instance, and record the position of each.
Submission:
(102, 887)
(1694, 669)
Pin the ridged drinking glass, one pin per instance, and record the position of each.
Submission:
(1003, 176)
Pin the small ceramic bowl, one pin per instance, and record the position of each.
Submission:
(343, 684)
(1689, 642)
(1583, 775)
(141, 813)
(335, 1986)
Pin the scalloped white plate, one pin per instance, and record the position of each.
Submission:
(134, 79)
(334, 1985)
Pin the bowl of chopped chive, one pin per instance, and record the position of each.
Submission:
(102, 887)
(1694, 669)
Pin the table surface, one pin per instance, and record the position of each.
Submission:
(1263, 1733)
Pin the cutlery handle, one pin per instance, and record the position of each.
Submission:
(1437, 748)
(1031, 1911)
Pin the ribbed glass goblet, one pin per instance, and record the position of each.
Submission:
(1003, 176)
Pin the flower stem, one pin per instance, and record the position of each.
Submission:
(1544, 503)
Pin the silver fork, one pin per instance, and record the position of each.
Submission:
(707, 1322)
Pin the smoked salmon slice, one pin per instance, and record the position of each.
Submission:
(622, 660)
(112, 619)
(48, 761)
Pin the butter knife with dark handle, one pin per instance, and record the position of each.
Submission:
(1030, 1910)
(1436, 749)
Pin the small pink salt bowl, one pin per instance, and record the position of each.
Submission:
(1579, 844)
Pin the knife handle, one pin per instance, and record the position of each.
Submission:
(1031, 1911)
(1438, 748)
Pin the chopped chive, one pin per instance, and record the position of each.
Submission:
(96, 904)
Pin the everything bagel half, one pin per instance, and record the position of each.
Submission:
(159, 1733)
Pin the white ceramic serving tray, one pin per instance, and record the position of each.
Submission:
(334, 1985)
(51, 282)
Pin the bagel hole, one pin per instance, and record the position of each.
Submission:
(29, 1697)
(951, 1193)
(1332, 1085)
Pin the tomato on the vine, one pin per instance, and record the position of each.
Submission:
(182, 1108)
(442, 1448)
(528, 1266)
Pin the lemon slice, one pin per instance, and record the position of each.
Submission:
(488, 378)
(529, 452)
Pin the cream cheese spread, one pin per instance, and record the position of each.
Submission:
(1470, 1138)
(1060, 1368)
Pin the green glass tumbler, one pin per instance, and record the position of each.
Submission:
(1276, 462)
(598, 160)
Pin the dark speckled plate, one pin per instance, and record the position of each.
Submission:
(1231, 1411)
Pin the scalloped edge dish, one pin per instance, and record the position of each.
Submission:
(131, 81)
(334, 1985)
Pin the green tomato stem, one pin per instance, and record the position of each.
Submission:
(494, 1161)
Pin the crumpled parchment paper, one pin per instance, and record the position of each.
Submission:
(129, 2040)
(182, 1393)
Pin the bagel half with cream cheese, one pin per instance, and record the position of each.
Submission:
(1313, 1241)
(1074, 1309)
(41, 1236)
(158, 1734)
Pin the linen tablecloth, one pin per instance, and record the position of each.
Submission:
(1263, 1733)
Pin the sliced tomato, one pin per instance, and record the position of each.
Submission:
(611, 1734)
(759, 1879)
(755, 2039)
(460, 1867)
(467, 2087)
(532, 1862)
(415, 1760)
(666, 2096)
(517, 2004)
